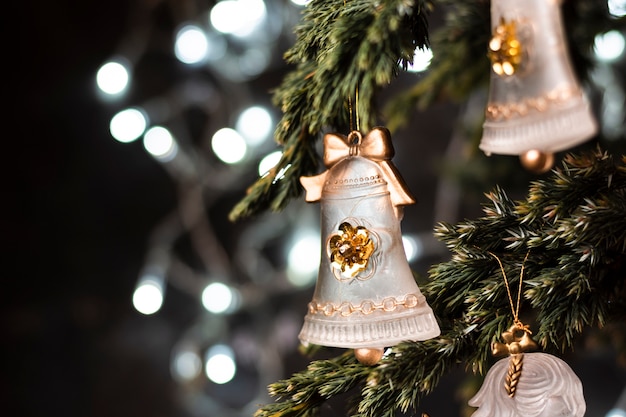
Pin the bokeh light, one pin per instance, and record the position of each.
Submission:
(238, 17)
(303, 260)
(254, 61)
(413, 247)
(128, 125)
(148, 295)
(220, 364)
(609, 46)
(269, 161)
(617, 8)
(229, 146)
(187, 365)
(217, 297)
(255, 125)
(192, 45)
(160, 143)
(421, 60)
(112, 78)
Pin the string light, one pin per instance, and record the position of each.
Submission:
(112, 78)
(220, 366)
(228, 145)
(148, 295)
(303, 259)
(238, 17)
(218, 298)
(413, 247)
(609, 46)
(268, 162)
(421, 60)
(186, 365)
(617, 8)
(191, 45)
(128, 125)
(255, 125)
(160, 143)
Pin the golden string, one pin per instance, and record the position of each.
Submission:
(350, 110)
(356, 110)
(354, 113)
(514, 308)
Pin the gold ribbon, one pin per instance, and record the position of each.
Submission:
(513, 342)
(376, 145)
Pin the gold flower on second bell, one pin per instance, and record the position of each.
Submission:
(350, 249)
(505, 49)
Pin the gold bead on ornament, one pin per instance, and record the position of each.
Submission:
(368, 356)
(536, 161)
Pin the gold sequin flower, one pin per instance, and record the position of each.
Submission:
(350, 249)
(505, 49)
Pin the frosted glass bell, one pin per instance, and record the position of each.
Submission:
(365, 295)
(535, 101)
(547, 387)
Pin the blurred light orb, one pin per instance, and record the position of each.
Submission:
(254, 124)
(160, 143)
(617, 8)
(187, 365)
(217, 297)
(220, 364)
(229, 146)
(616, 412)
(148, 296)
(269, 161)
(300, 2)
(112, 78)
(254, 61)
(128, 125)
(303, 260)
(191, 45)
(609, 46)
(413, 248)
(238, 17)
(421, 60)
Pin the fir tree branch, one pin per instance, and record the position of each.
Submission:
(343, 48)
(575, 277)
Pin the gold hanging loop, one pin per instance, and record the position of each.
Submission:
(517, 338)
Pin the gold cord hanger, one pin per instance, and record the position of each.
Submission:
(515, 344)
(354, 113)
(514, 308)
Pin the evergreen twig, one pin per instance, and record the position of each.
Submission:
(343, 48)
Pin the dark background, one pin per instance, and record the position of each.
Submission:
(80, 208)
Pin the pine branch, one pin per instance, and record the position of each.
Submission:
(575, 277)
(343, 48)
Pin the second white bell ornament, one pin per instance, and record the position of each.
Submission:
(535, 100)
(547, 387)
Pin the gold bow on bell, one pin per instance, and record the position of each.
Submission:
(375, 146)
(514, 344)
